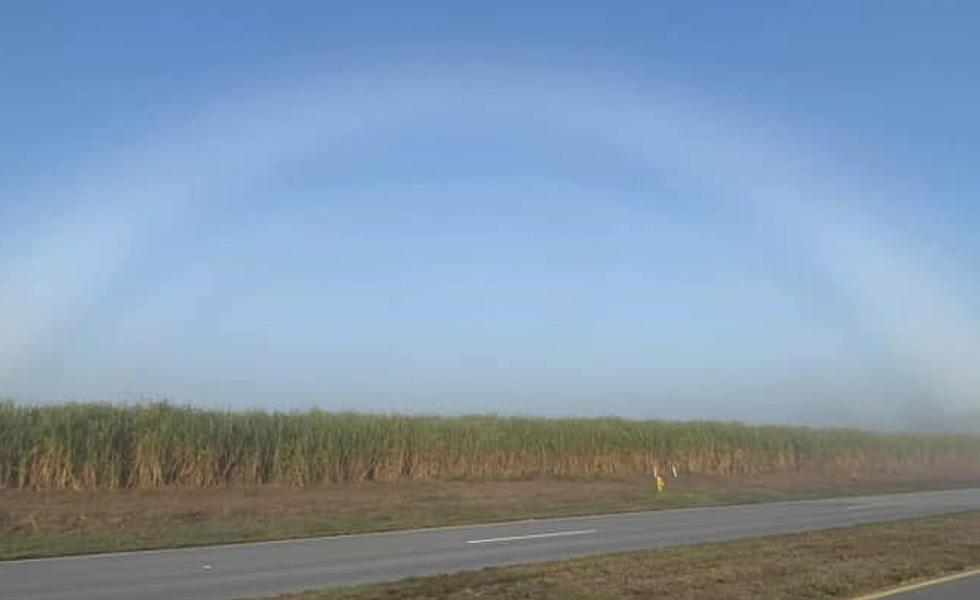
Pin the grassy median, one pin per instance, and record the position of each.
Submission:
(835, 563)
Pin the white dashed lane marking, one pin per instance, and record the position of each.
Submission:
(535, 536)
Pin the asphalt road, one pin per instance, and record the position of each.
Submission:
(961, 589)
(245, 570)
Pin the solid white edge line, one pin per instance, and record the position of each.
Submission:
(920, 585)
(533, 536)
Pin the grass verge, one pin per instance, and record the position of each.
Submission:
(835, 563)
(60, 522)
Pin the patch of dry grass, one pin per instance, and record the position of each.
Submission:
(836, 563)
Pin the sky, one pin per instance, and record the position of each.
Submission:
(754, 211)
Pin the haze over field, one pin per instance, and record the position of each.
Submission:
(767, 214)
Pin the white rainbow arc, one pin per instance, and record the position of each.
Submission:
(927, 320)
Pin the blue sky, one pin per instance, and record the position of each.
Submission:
(754, 211)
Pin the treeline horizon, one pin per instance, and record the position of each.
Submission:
(100, 445)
